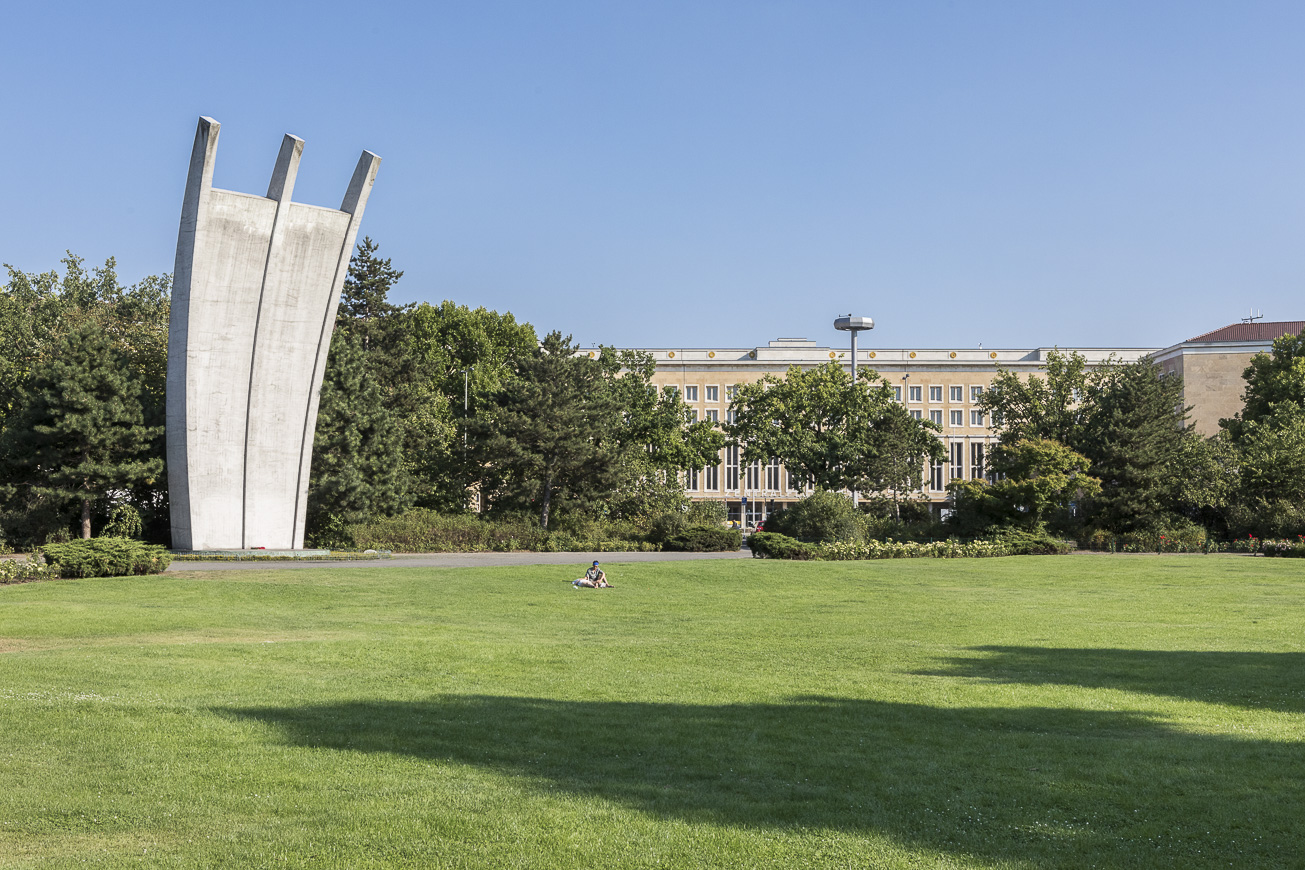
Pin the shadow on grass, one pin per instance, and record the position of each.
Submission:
(1257, 680)
(1054, 788)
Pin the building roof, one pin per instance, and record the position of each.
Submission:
(1253, 331)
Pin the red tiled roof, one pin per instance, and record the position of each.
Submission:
(1258, 331)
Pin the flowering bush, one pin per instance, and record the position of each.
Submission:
(1288, 549)
(15, 571)
(952, 549)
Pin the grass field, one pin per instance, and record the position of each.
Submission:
(1129, 711)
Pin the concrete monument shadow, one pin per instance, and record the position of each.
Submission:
(1050, 787)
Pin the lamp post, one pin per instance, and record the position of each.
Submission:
(853, 325)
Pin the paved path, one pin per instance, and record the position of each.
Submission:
(460, 560)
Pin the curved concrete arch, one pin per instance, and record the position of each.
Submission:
(255, 290)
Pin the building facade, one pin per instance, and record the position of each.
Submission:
(941, 385)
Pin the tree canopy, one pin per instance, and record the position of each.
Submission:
(833, 432)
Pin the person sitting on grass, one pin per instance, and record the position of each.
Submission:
(594, 579)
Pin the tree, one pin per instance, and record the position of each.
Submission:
(1036, 475)
(81, 435)
(832, 432)
(1039, 408)
(1268, 439)
(546, 438)
(365, 309)
(1134, 432)
(357, 469)
(1272, 379)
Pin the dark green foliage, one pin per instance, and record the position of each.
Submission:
(1134, 434)
(424, 531)
(772, 545)
(106, 557)
(1024, 542)
(37, 314)
(81, 432)
(703, 539)
(548, 438)
(822, 517)
(357, 469)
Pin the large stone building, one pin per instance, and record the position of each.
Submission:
(1212, 364)
(934, 384)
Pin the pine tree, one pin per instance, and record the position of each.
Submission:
(548, 439)
(357, 469)
(82, 433)
(1135, 433)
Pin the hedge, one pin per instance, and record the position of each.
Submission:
(704, 539)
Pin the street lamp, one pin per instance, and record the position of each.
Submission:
(853, 325)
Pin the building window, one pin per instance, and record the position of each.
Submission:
(976, 460)
(914, 393)
(957, 418)
(976, 393)
(997, 419)
(935, 417)
(731, 416)
(691, 480)
(713, 415)
(754, 475)
(691, 393)
(693, 415)
(772, 475)
(713, 393)
(731, 390)
(935, 394)
(670, 389)
(936, 476)
(956, 394)
(958, 460)
(897, 394)
(731, 468)
(916, 414)
(976, 418)
(711, 478)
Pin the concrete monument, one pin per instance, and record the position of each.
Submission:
(254, 295)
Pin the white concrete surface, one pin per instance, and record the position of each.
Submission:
(255, 290)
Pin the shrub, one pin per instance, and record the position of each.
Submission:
(106, 557)
(1287, 549)
(24, 571)
(705, 539)
(1021, 542)
(773, 545)
(822, 516)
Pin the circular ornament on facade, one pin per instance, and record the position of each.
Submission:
(992, 354)
(752, 354)
(591, 354)
(711, 354)
(912, 354)
(953, 354)
(671, 354)
(831, 354)
(872, 354)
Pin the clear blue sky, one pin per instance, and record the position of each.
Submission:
(707, 174)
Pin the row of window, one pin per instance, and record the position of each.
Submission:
(955, 418)
(710, 394)
(955, 394)
(709, 479)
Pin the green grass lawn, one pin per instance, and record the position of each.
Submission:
(1064, 712)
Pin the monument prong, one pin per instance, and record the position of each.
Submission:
(281, 187)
